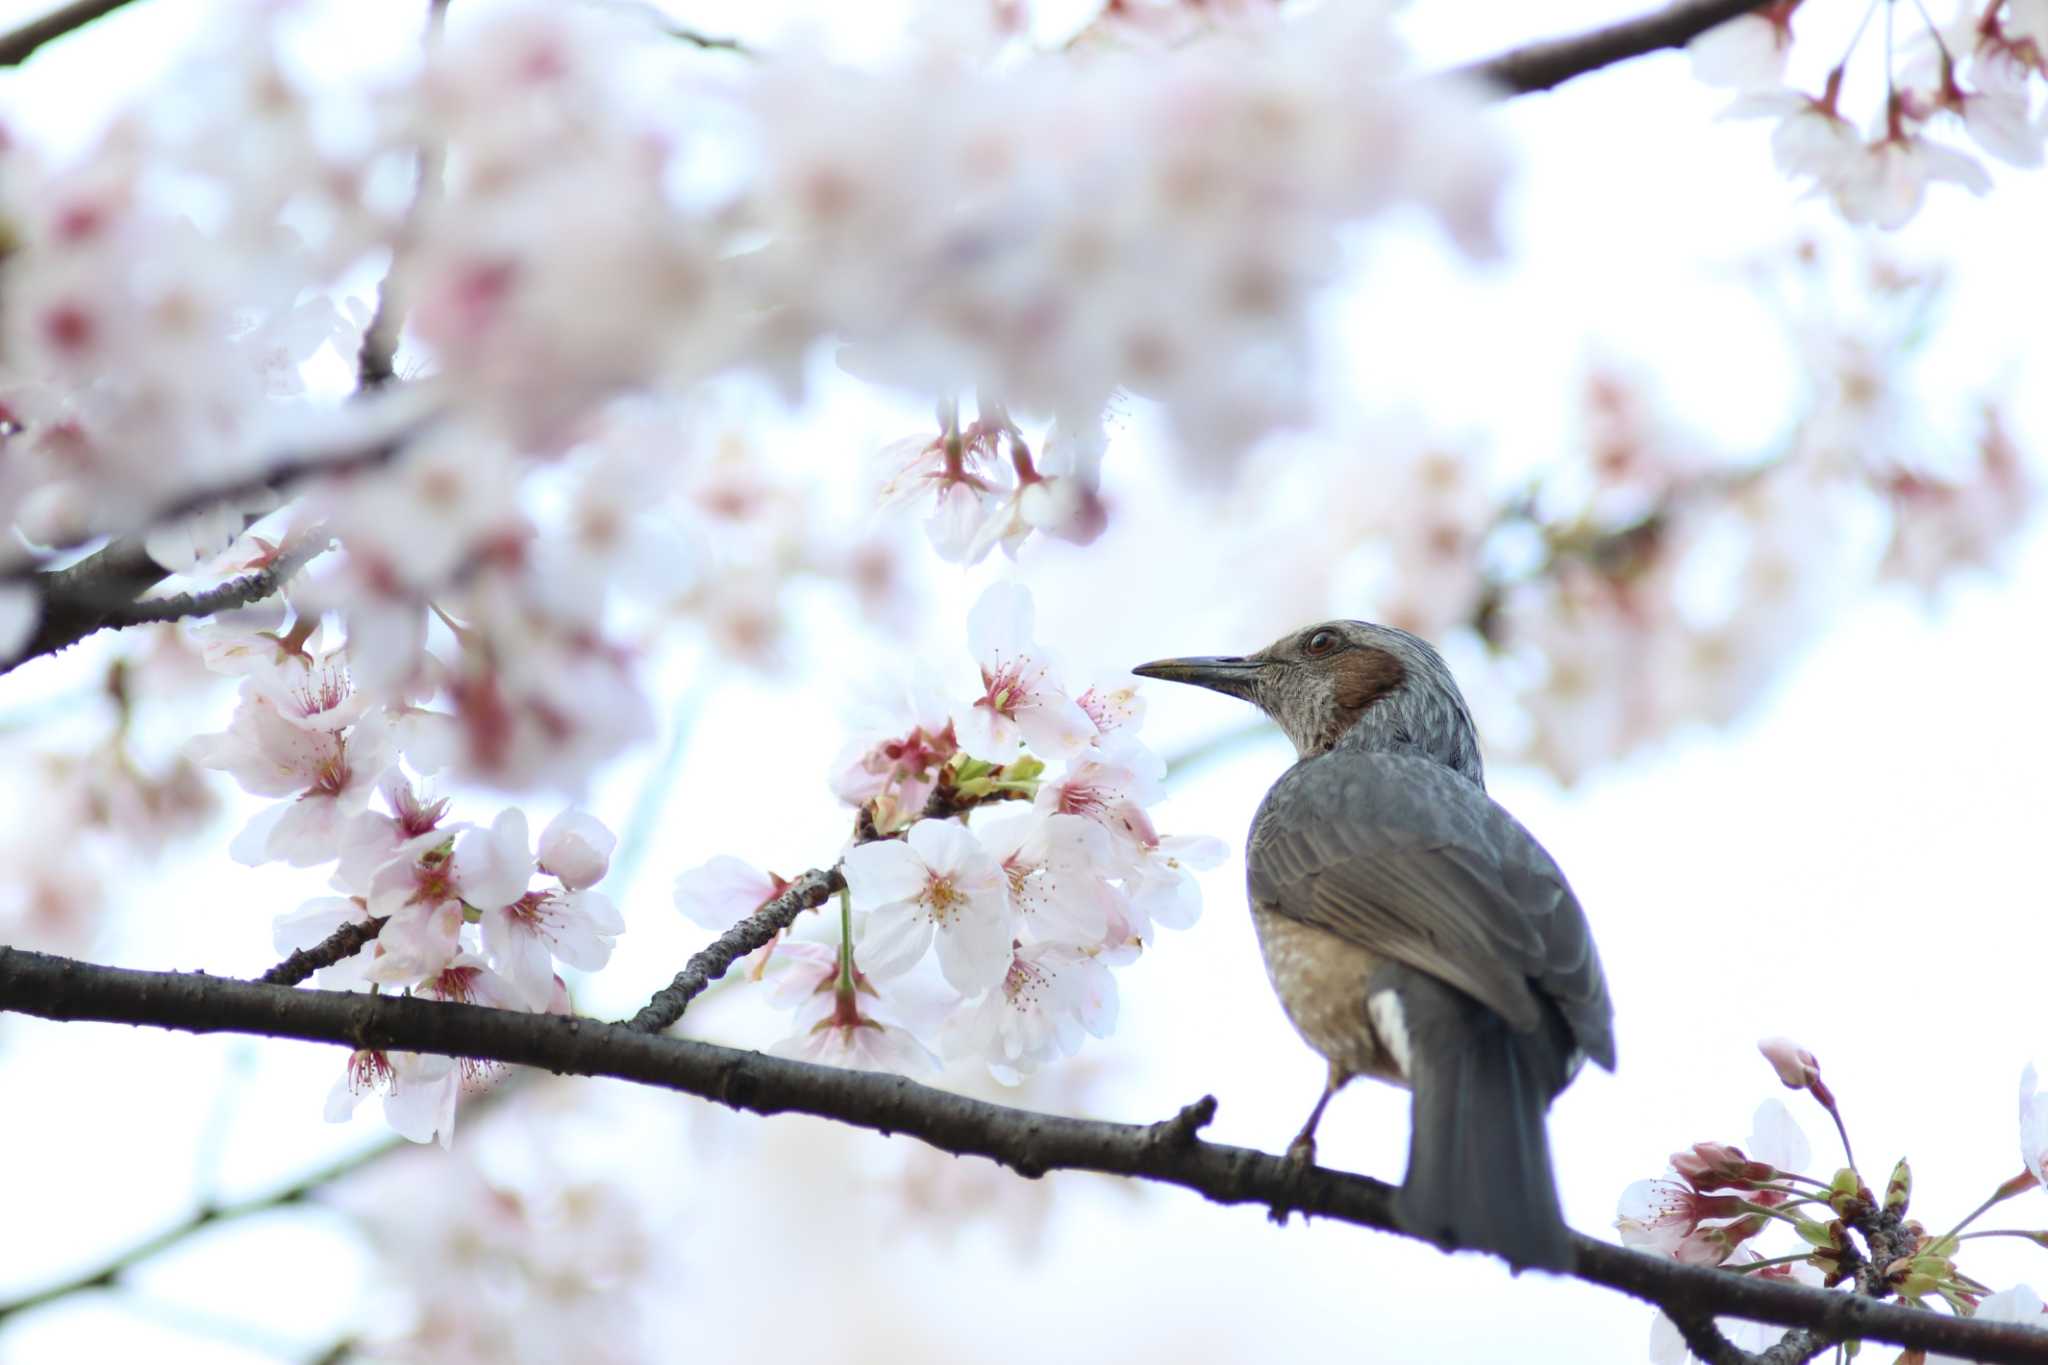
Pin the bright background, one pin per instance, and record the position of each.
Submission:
(1852, 864)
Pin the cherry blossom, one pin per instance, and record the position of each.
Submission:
(308, 746)
(724, 891)
(576, 849)
(2033, 1126)
(1019, 703)
(1051, 993)
(1059, 869)
(939, 884)
(419, 1092)
(1747, 52)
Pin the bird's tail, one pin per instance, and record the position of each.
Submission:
(1479, 1154)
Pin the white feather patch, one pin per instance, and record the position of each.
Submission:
(1384, 1010)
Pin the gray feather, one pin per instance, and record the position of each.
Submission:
(1478, 1154)
(1415, 862)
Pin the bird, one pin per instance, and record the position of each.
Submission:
(1414, 931)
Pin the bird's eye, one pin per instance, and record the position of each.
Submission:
(1320, 643)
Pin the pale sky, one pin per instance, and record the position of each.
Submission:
(1849, 865)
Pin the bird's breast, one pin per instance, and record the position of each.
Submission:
(1322, 981)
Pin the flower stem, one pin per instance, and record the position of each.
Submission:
(845, 943)
(1998, 1196)
(1766, 1265)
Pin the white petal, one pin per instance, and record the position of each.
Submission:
(999, 625)
(883, 871)
(722, 892)
(974, 949)
(577, 848)
(897, 936)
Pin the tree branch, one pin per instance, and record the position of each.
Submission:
(1031, 1144)
(1549, 64)
(346, 941)
(807, 892)
(18, 46)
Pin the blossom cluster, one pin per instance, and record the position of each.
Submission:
(1719, 1200)
(993, 941)
(457, 910)
(1979, 74)
(1650, 581)
(1054, 229)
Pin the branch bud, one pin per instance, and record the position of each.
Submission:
(1898, 1191)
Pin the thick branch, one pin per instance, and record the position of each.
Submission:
(1031, 1144)
(18, 46)
(1549, 64)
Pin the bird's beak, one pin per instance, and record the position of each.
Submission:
(1232, 675)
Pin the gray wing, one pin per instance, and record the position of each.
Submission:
(1412, 861)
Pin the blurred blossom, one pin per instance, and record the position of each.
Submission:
(1974, 74)
(2033, 1127)
(1649, 581)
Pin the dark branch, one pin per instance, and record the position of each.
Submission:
(1549, 64)
(344, 942)
(102, 590)
(101, 593)
(18, 46)
(807, 892)
(707, 42)
(1031, 1144)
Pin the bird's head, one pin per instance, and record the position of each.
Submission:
(1344, 682)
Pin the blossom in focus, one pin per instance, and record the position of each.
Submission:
(300, 734)
(1019, 702)
(1050, 995)
(576, 849)
(936, 884)
(1795, 1066)
(895, 760)
(419, 1092)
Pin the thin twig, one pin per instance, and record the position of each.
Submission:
(757, 930)
(1549, 64)
(809, 891)
(1029, 1143)
(345, 942)
(387, 323)
(18, 46)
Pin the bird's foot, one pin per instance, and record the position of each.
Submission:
(1301, 1155)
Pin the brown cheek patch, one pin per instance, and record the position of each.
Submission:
(1363, 676)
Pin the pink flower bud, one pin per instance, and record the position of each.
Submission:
(1795, 1066)
(577, 848)
(1720, 1166)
